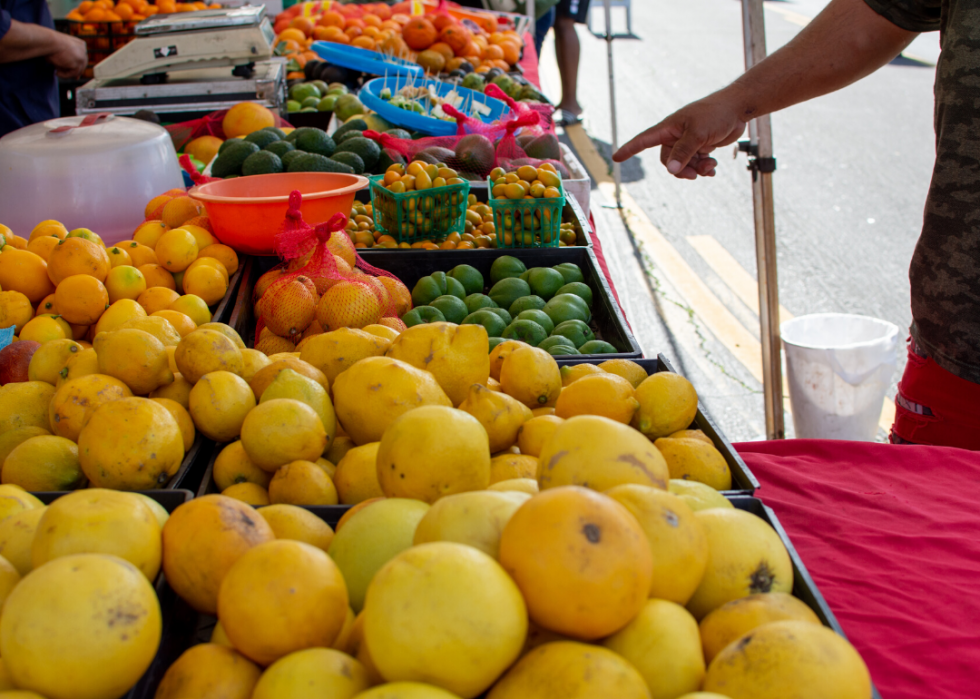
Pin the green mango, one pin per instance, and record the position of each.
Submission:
(423, 314)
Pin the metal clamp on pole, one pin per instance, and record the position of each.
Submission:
(756, 164)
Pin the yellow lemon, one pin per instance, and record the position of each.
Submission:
(531, 376)
(25, 404)
(50, 358)
(535, 432)
(15, 499)
(160, 328)
(695, 460)
(599, 453)
(519, 485)
(69, 599)
(181, 417)
(124, 283)
(314, 672)
(357, 475)
(296, 524)
(17, 536)
(382, 331)
(15, 310)
(336, 351)
(500, 415)
(403, 690)
(602, 394)
(130, 444)
(252, 362)
(182, 322)
(505, 467)
(209, 670)
(202, 236)
(476, 519)
(44, 463)
(219, 405)
(44, 329)
(79, 364)
(690, 434)
(280, 431)
(290, 384)
(134, 357)
(249, 493)
(232, 466)
(281, 597)
(224, 254)
(431, 452)
(117, 314)
(416, 603)
(499, 353)
(698, 496)
(631, 371)
(204, 351)
(178, 390)
(668, 402)
(9, 578)
(157, 298)
(207, 283)
(456, 355)
(577, 371)
(302, 483)
(225, 330)
(99, 521)
(176, 249)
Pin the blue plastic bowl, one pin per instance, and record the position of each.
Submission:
(370, 96)
(364, 60)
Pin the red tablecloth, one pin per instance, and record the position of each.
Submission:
(891, 536)
(529, 61)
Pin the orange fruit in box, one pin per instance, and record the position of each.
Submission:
(419, 33)
(157, 276)
(246, 117)
(353, 32)
(149, 233)
(364, 42)
(330, 19)
(456, 36)
(77, 256)
(445, 49)
(303, 24)
(204, 148)
(176, 211)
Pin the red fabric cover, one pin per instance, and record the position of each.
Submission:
(529, 61)
(891, 536)
(954, 402)
(604, 266)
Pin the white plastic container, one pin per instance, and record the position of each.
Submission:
(838, 367)
(98, 175)
(579, 185)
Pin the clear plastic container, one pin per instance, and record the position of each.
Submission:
(99, 175)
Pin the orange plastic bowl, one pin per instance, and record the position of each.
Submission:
(247, 212)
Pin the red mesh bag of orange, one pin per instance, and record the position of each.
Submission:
(322, 285)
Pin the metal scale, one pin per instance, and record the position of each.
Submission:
(190, 62)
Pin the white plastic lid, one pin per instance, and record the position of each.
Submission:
(96, 172)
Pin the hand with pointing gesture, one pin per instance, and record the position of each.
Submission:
(688, 136)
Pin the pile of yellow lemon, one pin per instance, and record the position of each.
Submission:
(60, 284)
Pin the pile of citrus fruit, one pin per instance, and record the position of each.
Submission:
(67, 285)
(131, 10)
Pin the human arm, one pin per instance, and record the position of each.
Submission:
(23, 41)
(844, 43)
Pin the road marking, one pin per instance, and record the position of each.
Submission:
(746, 288)
(789, 15)
(741, 343)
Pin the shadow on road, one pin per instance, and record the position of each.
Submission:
(631, 170)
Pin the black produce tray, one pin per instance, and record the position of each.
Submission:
(572, 212)
(221, 312)
(804, 588)
(741, 475)
(411, 265)
(317, 120)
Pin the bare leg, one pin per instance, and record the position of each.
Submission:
(567, 52)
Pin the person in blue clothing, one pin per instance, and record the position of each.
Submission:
(32, 54)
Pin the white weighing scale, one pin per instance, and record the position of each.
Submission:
(192, 40)
(190, 62)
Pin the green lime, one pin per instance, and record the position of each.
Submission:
(504, 267)
(502, 314)
(597, 347)
(545, 282)
(422, 314)
(469, 277)
(454, 288)
(571, 272)
(489, 320)
(556, 340)
(428, 289)
(304, 91)
(567, 307)
(474, 302)
(561, 350)
(452, 307)
(310, 102)
(508, 290)
(526, 303)
(527, 331)
(579, 289)
(539, 317)
(575, 330)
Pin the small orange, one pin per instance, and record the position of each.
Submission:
(201, 222)
(291, 33)
(203, 236)
(181, 322)
(224, 254)
(47, 306)
(16, 242)
(49, 227)
(124, 283)
(371, 20)
(26, 272)
(124, 11)
(493, 52)
(206, 262)
(117, 314)
(118, 257)
(157, 298)
(155, 206)
(178, 210)
(82, 299)
(445, 49)
(566, 548)
(85, 6)
(155, 276)
(353, 32)
(193, 307)
(95, 15)
(364, 42)
(206, 282)
(176, 249)
(139, 254)
(304, 24)
(149, 233)
(332, 19)
(42, 246)
(77, 256)
(45, 328)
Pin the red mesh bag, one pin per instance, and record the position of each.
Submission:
(208, 125)
(323, 284)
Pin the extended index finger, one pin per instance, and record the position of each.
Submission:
(654, 136)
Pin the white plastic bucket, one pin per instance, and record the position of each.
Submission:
(838, 367)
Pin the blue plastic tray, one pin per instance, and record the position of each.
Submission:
(370, 96)
(365, 60)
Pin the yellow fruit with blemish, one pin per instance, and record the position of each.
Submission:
(50, 358)
(134, 357)
(219, 404)
(209, 670)
(25, 404)
(204, 351)
(500, 415)
(457, 355)
(117, 314)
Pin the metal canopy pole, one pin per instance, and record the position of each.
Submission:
(612, 99)
(762, 164)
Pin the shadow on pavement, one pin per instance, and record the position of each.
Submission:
(630, 171)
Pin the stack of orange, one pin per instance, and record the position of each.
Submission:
(130, 10)
(60, 284)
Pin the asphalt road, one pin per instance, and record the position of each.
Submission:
(853, 169)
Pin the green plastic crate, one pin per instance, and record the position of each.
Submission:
(534, 223)
(443, 211)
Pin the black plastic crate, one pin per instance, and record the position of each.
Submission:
(804, 588)
(411, 265)
(743, 481)
(221, 312)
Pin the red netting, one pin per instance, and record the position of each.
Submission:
(323, 284)
(208, 125)
(196, 177)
